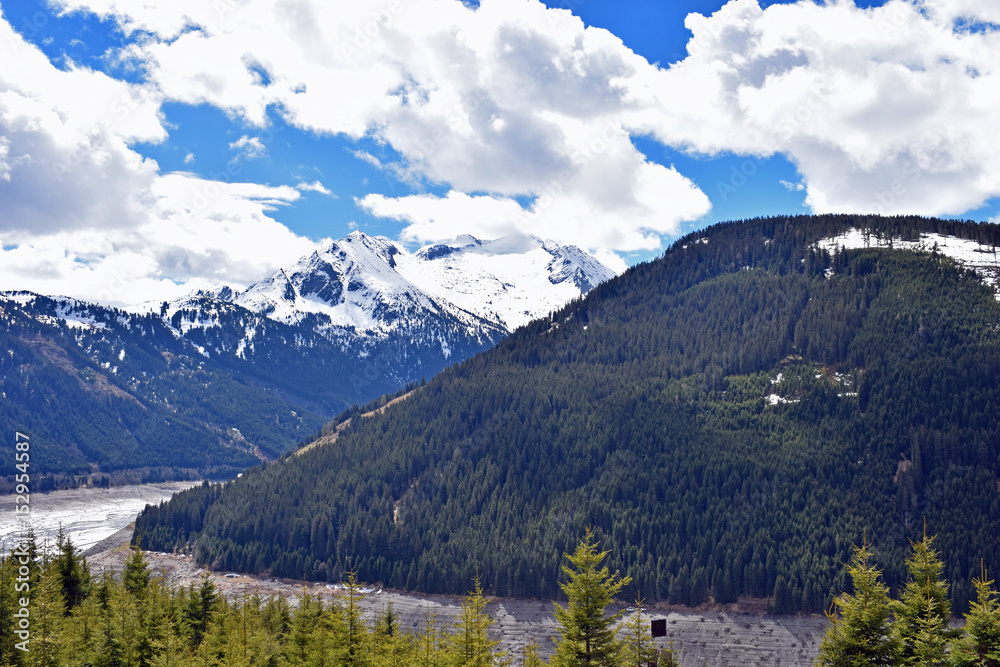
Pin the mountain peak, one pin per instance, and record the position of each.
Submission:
(369, 283)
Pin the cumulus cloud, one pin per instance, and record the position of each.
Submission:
(85, 215)
(882, 109)
(508, 101)
(249, 148)
(199, 234)
(64, 161)
(523, 117)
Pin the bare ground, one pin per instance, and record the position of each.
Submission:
(711, 637)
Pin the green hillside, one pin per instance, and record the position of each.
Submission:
(729, 418)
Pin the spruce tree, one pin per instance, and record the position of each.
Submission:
(72, 570)
(923, 610)
(979, 646)
(639, 649)
(860, 634)
(135, 575)
(356, 636)
(588, 636)
(47, 610)
(529, 655)
(472, 646)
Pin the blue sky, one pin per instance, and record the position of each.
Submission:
(194, 143)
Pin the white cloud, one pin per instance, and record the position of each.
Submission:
(64, 160)
(249, 148)
(85, 215)
(365, 156)
(189, 158)
(884, 109)
(507, 100)
(199, 234)
(315, 186)
(889, 109)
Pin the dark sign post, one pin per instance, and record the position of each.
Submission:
(658, 627)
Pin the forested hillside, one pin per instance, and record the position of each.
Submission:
(110, 393)
(730, 419)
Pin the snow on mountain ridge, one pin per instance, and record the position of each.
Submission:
(371, 284)
(511, 280)
(980, 258)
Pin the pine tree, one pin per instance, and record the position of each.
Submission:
(979, 646)
(923, 610)
(135, 575)
(529, 655)
(588, 636)
(72, 569)
(471, 644)
(860, 634)
(639, 648)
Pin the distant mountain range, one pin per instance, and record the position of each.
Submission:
(373, 287)
(217, 380)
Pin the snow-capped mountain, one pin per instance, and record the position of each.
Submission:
(216, 380)
(371, 287)
(511, 280)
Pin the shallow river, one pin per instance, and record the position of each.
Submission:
(86, 515)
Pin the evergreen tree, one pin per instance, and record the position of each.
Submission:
(356, 635)
(429, 642)
(668, 657)
(979, 646)
(588, 636)
(529, 655)
(639, 649)
(471, 644)
(47, 610)
(860, 634)
(135, 575)
(8, 607)
(72, 571)
(923, 610)
(200, 608)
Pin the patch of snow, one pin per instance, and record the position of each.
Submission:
(774, 399)
(982, 259)
(21, 297)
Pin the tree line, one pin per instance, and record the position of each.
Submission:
(134, 619)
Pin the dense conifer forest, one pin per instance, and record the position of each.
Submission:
(730, 418)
